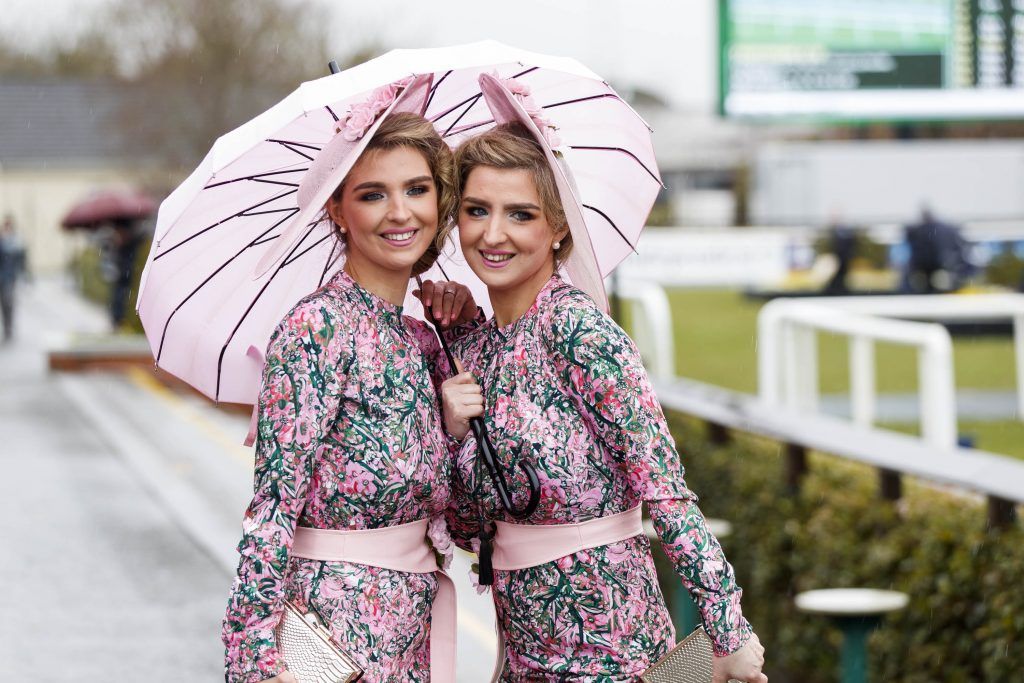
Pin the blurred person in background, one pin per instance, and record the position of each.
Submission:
(12, 266)
(119, 266)
(843, 245)
(938, 260)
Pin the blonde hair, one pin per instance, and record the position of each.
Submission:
(510, 146)
(405, 129)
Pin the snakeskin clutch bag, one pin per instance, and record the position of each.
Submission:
(308, 651)
(688, 662)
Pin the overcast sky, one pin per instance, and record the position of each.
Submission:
(667, 46)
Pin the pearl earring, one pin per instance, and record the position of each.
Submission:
(556, 246)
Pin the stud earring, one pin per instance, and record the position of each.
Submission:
(556, 246)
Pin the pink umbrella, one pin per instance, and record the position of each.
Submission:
(108, 205)
(209, 312)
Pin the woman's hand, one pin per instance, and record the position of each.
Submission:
(462, 399)
(283, 677)
(450, 303)
(743, 665)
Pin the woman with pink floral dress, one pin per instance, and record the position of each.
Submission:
(349, 426)
(565, 389)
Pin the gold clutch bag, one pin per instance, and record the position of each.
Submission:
(308, 651)
(688, 662)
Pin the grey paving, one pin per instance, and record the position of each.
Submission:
(98, 582)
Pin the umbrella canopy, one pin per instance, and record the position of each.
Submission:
(108, 205)
(205, 304)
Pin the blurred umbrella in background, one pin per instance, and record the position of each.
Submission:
(109, 206)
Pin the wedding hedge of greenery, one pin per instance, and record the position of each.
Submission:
(965, 620)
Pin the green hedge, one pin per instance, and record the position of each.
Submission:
(965, 621)
(87, 270)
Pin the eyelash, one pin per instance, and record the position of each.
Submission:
(414, 191)
(518, 216)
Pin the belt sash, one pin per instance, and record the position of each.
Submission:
(402, 548)
(518, 546)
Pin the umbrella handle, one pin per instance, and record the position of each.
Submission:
(486, 449)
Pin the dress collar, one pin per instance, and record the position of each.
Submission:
(543, 295)
(376, 305)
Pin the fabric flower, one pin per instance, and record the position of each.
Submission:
(437, 532)
(522, 93)
(362, 115)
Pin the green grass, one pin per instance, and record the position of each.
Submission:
(716, 342)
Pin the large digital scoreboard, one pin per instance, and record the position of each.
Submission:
(872, 59)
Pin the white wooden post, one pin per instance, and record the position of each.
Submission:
(862, 380)
(806, 342)
(936, 389)
(769, 354)
(790, 364)
(1018, 345)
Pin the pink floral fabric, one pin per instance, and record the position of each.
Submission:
(566, 390)
(349, 437)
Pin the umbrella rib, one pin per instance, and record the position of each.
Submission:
(225, 220)
(307, 250)
(167, 323)
(274, 182)
(291, 146)
(582, 99)
(468, 126)
(433, 89)
(227, 342)
(331, 112)
(268, 211)
(611, 223)
(471, 126)
(624, 151)
(464, 112)
(255, 177)
(330, 261)
(293, 143)
(471, 100)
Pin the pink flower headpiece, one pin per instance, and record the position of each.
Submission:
(521, 92)
(362, 115)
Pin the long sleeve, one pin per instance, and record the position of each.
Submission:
(602, 372)
(305, 370)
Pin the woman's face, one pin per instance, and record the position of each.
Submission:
(505, 236)
(388, 210)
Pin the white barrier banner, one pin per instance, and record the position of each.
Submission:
(711, 258)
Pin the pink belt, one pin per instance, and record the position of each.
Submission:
(402, 548)
(518, 546)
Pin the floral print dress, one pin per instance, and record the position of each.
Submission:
(349, 437)
(565, 389)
